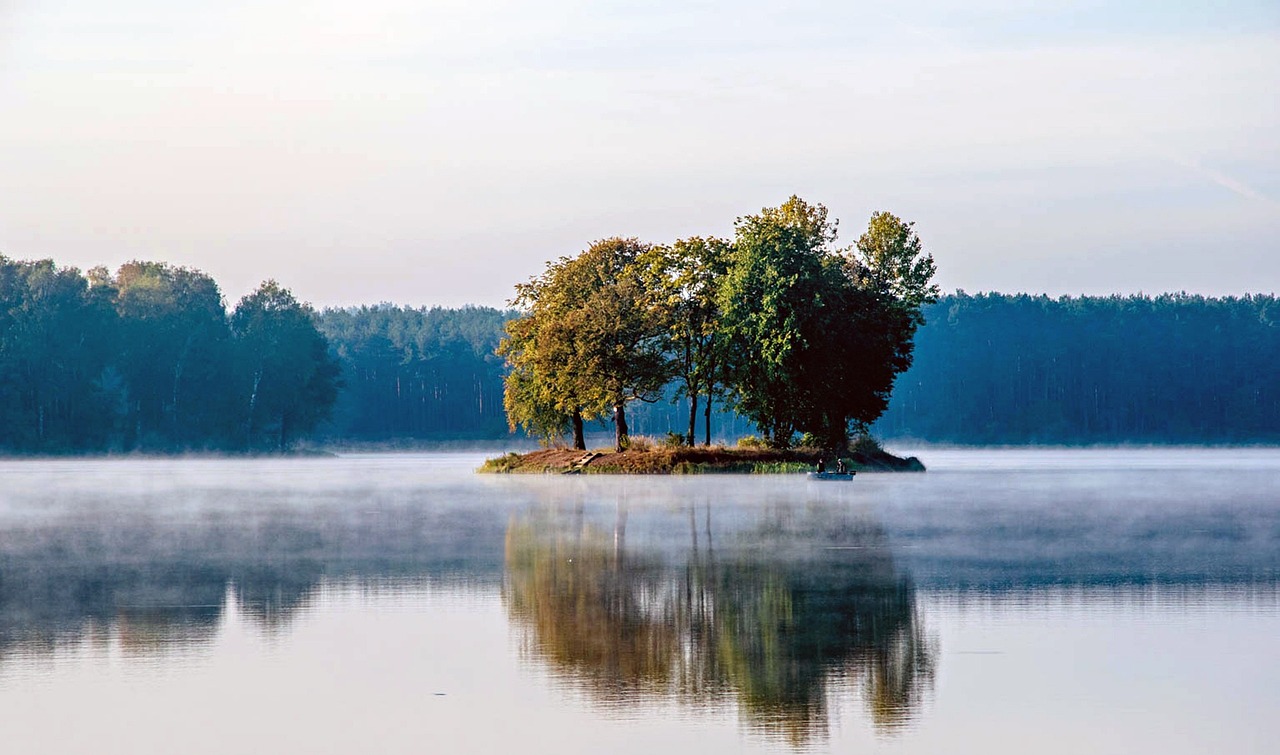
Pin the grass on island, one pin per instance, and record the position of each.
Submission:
(647, 456)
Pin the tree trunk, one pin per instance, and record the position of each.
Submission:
(706, 416)
(693, 417)
(579, 442)
(620, 426)
(177, 382)
(253, 404)
(711, 385)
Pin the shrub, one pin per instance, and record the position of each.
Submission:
(780, 467)
(502, 464)
(640, 443)
(752, 441)
(674, 440)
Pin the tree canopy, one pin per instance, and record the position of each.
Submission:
(591, 342)
(800, 335)
(148, 360)
(287, 379)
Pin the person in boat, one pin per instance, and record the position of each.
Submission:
(840, 467)
(822, 466)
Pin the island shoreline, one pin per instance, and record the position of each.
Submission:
(693, 460)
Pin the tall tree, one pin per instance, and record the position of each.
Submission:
(818, 334)
(537, 397)
(890, 260)
(544, 392)
(620, 331)
(288, 379)
(772, 298)
(55, 343)
(592, 341)
(685, 279)
(174, 358)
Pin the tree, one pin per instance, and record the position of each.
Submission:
(685, 279)
(890, 260)
(417, 372)
(544, 394)
(772, 298)
(531, 396)
(173, 355)
(592, 341)
(288, 381)
(55, 343)
(817, 335)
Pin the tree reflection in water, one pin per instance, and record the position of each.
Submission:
(774, 616)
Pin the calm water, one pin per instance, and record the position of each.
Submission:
(1006, 601)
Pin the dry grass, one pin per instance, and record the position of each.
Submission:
(658, 460)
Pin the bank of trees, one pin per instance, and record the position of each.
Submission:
(1015, 369)
(149, 359)
(416, 373)
(797, 334)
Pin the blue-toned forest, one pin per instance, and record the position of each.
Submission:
(152, 359)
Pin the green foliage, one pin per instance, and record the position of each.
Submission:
(752, 441)
(57, 388)
(1175, 368)
(802, 336)
(504, 464)
(865, 444)
(285, 377)
(675, 440)
(147, 360)
(590, 343)
(817, 335)
(744, 467)
(890, 259)
(780, 467)
(685, 278)
(417, 372)
(774, 289)
(175, 355)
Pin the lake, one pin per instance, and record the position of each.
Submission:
(1008, 601)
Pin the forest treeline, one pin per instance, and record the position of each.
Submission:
(988, 369)
(417, 373)
(151, 359)
(1174, 368)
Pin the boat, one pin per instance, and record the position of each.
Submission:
(832, 476)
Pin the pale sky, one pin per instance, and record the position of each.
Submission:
(426, 152)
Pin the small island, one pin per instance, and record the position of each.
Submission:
(863, 455)
(801, 337)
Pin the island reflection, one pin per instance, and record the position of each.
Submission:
(774, 617)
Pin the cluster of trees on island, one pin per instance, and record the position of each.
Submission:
(799, 335)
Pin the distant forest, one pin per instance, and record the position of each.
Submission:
(988, 369)
(150, 359)
(1174, 368)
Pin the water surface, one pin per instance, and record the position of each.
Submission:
(1006, 601)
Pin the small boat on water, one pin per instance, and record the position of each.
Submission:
(832, 476)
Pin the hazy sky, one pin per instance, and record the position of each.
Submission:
(438, 152)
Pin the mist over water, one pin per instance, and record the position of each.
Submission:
(377, 602)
